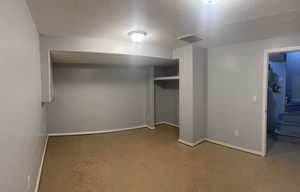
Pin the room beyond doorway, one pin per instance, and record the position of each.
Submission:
(283, 99)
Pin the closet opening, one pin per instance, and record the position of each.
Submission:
(166, 83)
(103, 92)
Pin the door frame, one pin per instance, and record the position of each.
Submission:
(265, 90)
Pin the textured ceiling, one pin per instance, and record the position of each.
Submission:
(229, 21)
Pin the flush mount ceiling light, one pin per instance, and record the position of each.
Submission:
(137, 35)
(210, 2)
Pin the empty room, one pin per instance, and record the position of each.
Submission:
(137, 95)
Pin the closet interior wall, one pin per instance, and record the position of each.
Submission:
(97, 97)
(167, 95)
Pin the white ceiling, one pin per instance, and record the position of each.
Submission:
(229, 21)
(66, 57)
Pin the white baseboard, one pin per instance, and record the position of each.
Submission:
(191, 144)
(37, 184)
(223, 144)
(236, 147)
(149, 127)
(167, 123)
(97, 132)
(159, 123)
(171, 124)
(185, 142)
(199, 141)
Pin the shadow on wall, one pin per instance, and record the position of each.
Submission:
(167, 101)
(276, 89)
(293, 81)
(168, 84)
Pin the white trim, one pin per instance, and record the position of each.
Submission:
(264, 106)
(96, 132)
(186, 142)
(221, 143)
(265, 102)
(199, 141)
(191, 144)
(165, 122)
(37, 184)
(49, 64)
(149, 127)
(166, 78)
(283, 49)
(235, 147)
(171, 124)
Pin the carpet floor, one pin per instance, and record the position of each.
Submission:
(144, 160)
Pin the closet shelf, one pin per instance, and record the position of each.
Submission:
(166, 78)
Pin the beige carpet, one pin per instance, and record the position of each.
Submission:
(146, 160)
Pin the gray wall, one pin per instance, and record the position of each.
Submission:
(235, 75)
(167, 101)
(22, 127)
(186, 99)
(192, 93)
(200, 92)
(98, 97)
(150, 113)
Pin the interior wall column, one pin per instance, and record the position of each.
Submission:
(192, 91)
(150, 114)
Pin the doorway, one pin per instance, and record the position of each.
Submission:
(282, 101)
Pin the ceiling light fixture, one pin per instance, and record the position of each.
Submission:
(210, 2)
(137, 35)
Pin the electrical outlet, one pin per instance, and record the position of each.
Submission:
(236, 133)
(28, 182)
